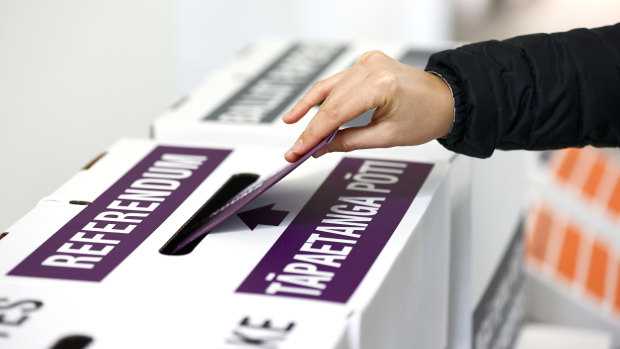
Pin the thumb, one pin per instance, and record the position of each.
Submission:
(354, 138)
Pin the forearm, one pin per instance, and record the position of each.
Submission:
(542, 91)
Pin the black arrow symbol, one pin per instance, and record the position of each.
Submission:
(264, 215)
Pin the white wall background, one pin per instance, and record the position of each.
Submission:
(499, 19)
(75, 75)
(211, 32)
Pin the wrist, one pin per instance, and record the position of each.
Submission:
(444, 98)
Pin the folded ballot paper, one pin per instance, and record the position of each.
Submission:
(346, 251)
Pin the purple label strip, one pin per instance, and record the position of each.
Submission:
(329, 247)
(105, 232)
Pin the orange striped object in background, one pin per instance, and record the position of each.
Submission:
(614, 201)
(567, 164)
(572, 257)
(592, 174)
(594, 177)
(537, 244)
(595, 281)
(567, 263)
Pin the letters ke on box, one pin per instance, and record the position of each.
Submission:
(340, 266)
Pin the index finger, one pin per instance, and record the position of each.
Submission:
(317, 93)
(346, 101)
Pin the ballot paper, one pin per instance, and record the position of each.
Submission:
(245, 196)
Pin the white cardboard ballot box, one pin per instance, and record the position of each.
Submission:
(484, 195)
(348, 251)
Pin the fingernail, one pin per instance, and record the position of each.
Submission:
(297, 146)
(287, 113)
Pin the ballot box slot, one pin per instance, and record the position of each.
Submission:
(179, 103)
(73, 342)
(92, 162)
(80, 202)
(232, 187)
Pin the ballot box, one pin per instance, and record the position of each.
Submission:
(242, 103)
(345, 251)
(573, 245)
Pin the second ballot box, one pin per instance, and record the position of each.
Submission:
(242, 102)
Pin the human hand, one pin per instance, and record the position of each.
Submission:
(411, 107)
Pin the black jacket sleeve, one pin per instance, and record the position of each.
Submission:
(540, 91)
